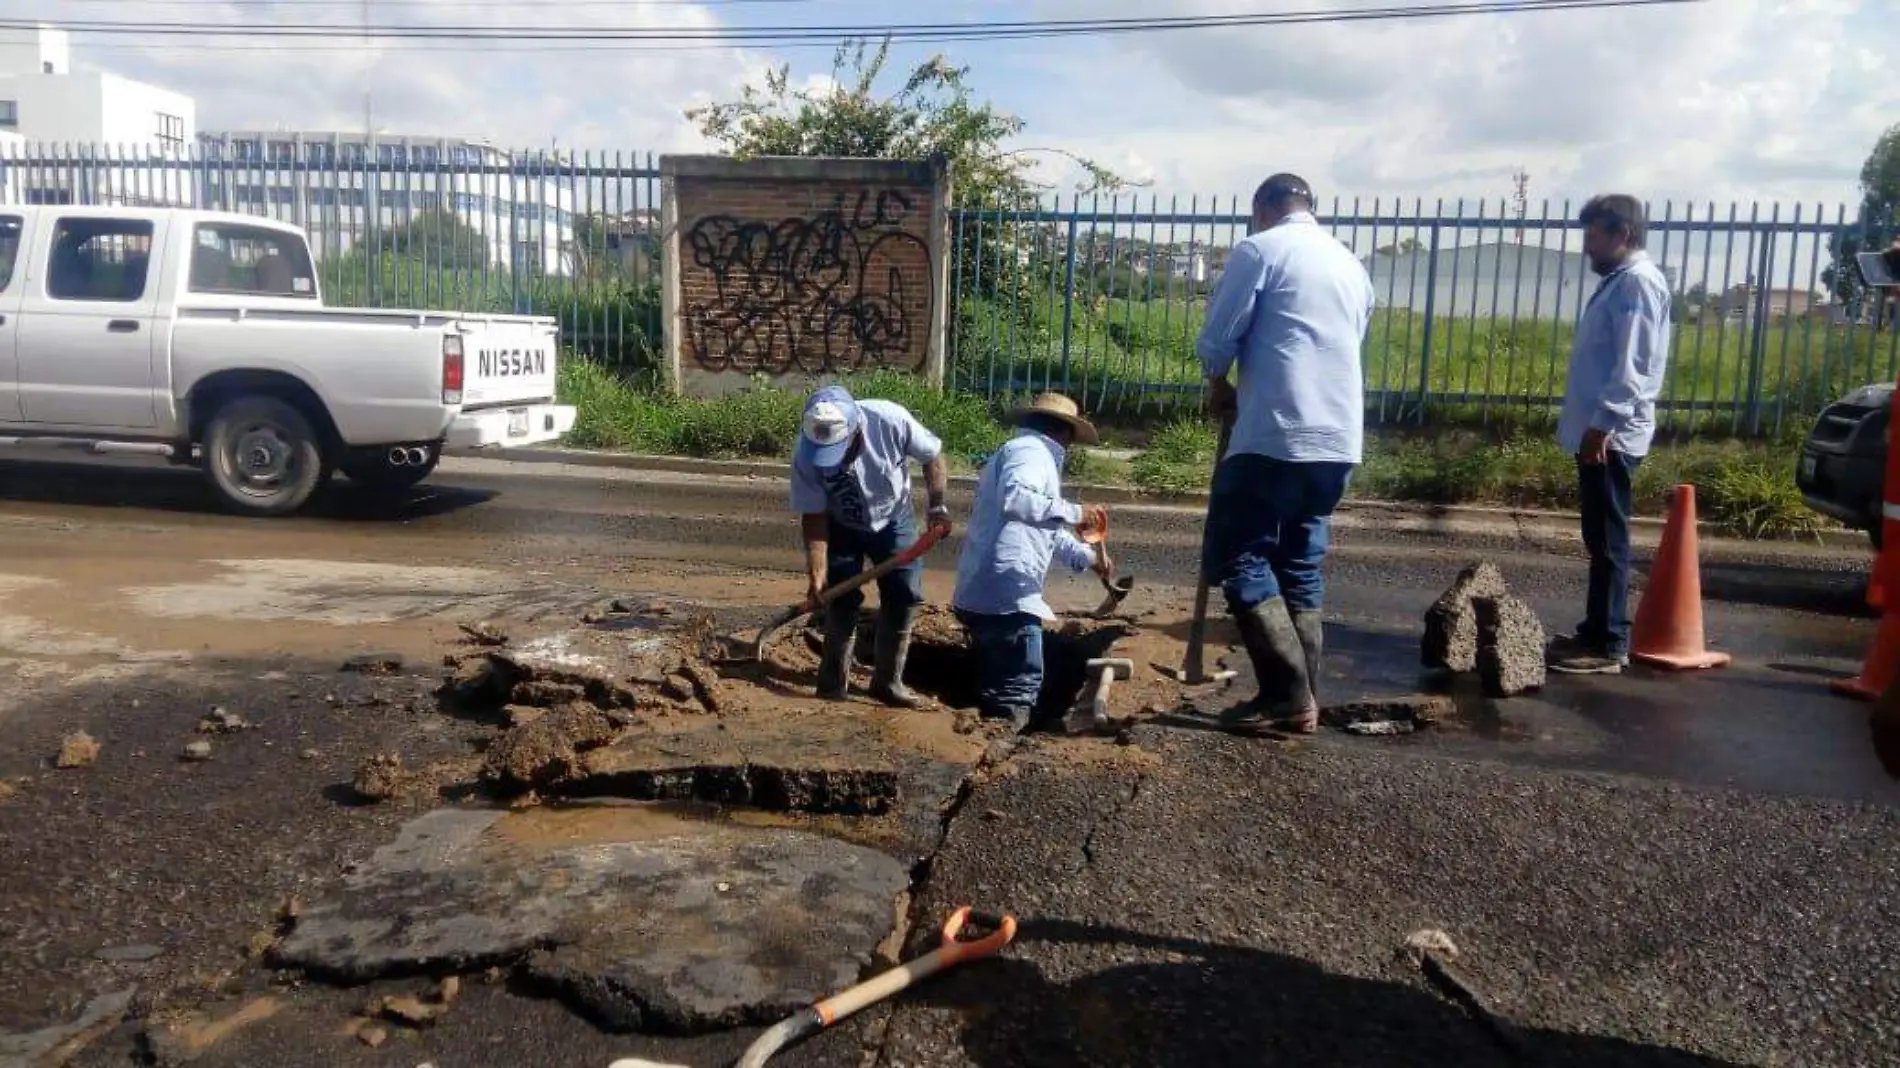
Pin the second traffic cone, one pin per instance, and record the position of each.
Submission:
(1668, 631)
(1878, 674)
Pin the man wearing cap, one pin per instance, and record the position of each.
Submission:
(851, 489)
(1290, 311)
(1016, 529)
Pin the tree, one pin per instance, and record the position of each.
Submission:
(1879, 218)
(1410, 244)
(441, 239)
(932, 114)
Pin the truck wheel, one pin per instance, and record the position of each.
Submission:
(377, 473)
(263, 457)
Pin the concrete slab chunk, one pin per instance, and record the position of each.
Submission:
(1451, 624)
(642, 918)
(1510, 646)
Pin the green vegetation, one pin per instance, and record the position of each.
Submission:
(639, 416)
(1745, 487)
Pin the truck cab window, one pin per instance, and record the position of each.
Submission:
(10, 226)
(250, 260)
(99, 260)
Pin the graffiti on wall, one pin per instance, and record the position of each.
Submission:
(844, 289)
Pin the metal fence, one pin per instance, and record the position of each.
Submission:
(1477, 303)
(408, 223)
(1098, 296)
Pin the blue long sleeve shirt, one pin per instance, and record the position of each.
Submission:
(1618, 360)
(1292, 308)
(1016, 529)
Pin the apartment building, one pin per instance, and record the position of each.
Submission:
(348, 189)
(74, 137)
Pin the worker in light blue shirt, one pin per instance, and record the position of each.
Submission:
(851, 490)
(1016, 530)
(1290, 312)
(1617, 362)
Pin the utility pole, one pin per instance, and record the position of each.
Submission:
(1521, 199)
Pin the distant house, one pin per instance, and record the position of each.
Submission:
(1746, 302)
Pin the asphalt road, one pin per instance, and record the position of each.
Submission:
(1651, 870)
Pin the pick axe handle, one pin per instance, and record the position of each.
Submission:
(917, 549)
(1193, 667)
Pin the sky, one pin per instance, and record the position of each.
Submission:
(1726, 100)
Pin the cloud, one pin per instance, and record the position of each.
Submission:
(1711, 101)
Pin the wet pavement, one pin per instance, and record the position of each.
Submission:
(1653, 869)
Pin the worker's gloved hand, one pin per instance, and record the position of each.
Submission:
(1103, 566)
(1094, 525)
(939, 516)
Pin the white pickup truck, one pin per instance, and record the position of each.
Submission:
(202, 337)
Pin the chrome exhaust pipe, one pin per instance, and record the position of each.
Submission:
(398, 457)
(418, 457)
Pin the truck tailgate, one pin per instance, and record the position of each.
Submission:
(507, 361)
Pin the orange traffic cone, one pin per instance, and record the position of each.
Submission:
(1883, 591)
(1878, 674)
(1886, 727)
(1668, 631)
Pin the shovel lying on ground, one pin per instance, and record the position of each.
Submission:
(810, 1021)
(769, 632)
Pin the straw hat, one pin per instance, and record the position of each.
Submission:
(1057, 406)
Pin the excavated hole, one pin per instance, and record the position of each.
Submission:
(941, 666)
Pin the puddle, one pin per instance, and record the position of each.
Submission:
(551, 827)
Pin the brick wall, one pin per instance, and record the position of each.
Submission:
(801, 269)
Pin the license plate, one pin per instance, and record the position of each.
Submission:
(518, 424)
(1808, 464)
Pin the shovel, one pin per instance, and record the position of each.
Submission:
(770, 631)
(809, 1021)
(1116, 589)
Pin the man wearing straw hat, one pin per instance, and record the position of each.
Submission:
(1016, 529)
(1291, 312)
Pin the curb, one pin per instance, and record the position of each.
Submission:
(1522, 522)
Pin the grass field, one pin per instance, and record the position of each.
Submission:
(1137, 357)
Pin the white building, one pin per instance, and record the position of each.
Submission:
(325, 182)
(103, 132)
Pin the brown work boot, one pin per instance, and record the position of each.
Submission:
(1285, 703)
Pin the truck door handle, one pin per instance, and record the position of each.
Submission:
(123, 326)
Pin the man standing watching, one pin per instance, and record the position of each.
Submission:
(1609, 417)
(1016, 529)
(1291, 310)
(851, 489)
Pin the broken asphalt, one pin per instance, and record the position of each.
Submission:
(1639, 871)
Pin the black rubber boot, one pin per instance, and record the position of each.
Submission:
(1285, 703)
(1312, 634)
(841, 635)
(894, 623)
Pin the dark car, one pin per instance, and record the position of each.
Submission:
(1843, 466)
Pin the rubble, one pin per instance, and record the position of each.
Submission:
(1451, 624)
(223, 721)
(373, 664)
(548, 749)
(1510, 646)
(1400, 714)
(76, 750)
(196, 751)
(379, 778)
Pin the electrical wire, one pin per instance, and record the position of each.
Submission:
(719, 36)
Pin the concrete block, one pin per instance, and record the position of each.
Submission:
(1510, 646)
(1451, 624)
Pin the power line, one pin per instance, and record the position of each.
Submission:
(785, 35)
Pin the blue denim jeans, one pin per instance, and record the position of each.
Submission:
(1268, 528)
(1606, 493)
(1008, 653)
(848, 549)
